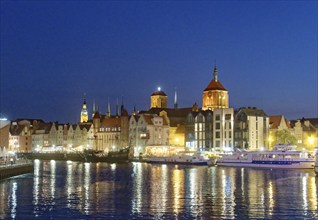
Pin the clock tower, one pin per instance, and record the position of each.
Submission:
(215, 95)
(84, 113)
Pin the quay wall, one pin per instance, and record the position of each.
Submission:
(14, 170)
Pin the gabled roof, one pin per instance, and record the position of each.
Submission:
(175, 115)
(276, 120)
(313, 121)
(253, 111)
(148, 118)
(111, 122)
(16, 129)
(171, 112)
(87, 126)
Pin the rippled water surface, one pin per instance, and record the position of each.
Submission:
(74, 190)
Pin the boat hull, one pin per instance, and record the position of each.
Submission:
(181, 162)
(269, 164)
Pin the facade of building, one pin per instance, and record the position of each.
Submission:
(176, 118)
(199, 130)
(215, 95)
(4, 135)
(147, 130)
(223, 129)
(277, 123)
(20, 137)
(111, 131)
(251, 129)
(306, 132)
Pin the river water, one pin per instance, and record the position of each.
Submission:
(73, 190)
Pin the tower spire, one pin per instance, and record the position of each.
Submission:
(134, 110)
(94, 108)
(215, 73)
(122, 104)
(117, 108)
(108, 109)
(175, 99)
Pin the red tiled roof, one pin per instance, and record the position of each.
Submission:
(275, 121)
(215, 85)
(111, 122)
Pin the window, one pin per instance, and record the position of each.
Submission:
(217, 125)
(217, 134)
(227, 116)
(217, 144)
(217, 117)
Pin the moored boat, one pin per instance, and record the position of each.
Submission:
(283, 156)
(181, 158)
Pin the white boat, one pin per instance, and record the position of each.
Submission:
(316, 164)
(181, 158)
(283, 156)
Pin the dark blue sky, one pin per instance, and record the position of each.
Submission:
(53, 52)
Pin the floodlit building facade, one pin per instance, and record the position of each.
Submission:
(147, 130)
(251, 129)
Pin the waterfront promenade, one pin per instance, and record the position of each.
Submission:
(14, 168)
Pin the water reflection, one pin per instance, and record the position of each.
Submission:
(146, 191)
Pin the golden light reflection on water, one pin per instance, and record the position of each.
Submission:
(138, 187)
(69, 182)
(52, 179)
(161, 189)
(271, 201)
(87, 178)
(178, 190)
(36, 182)
(13, 199)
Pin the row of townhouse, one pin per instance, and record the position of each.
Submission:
(26, 135)
(191, 128)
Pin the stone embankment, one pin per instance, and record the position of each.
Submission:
(7, 171)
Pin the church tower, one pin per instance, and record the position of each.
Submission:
(84, 113)
(215, 95)
(158, 99)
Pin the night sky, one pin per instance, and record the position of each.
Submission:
(53, 52)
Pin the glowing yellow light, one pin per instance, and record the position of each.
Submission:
(311, 140)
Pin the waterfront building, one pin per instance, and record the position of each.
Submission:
(223, 129)
(20, 137)
(44, 136)
(277, 125)
(176, 119)
(4, 135)
(306, 132)
(251, 129)
(215, 95)
(111, 131)
(146, 130)
(199, 129)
